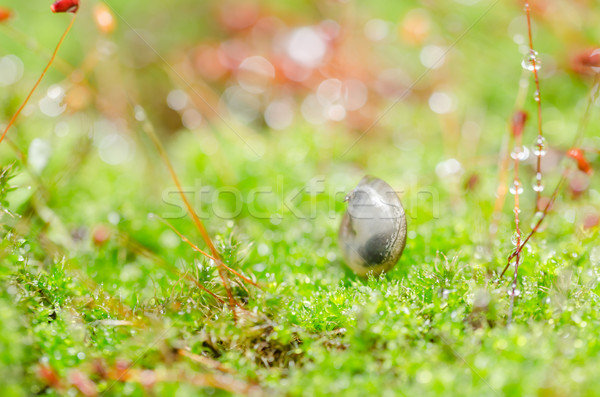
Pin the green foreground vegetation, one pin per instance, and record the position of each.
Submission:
(97, 294)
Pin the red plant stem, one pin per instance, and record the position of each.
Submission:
(39, 80)
(518, 139)
(576, 142)
(199, 225)
(203, 288)
(538, 98)
(535, 228)
(195, 248)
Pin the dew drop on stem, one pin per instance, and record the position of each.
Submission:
(531, 61)
(516, 188)
(520, 153)
(537, 184)
(539, 147)
(515, 239)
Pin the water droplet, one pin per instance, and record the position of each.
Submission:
(538, 187)
(515, 293)
(536, 96)
(531, 61)
(516, 188)
(540, 141)
(539, 149)
(520, 153)
(515, 239)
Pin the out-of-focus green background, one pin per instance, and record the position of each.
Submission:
(270, 113)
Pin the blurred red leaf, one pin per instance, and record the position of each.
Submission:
(591, 220)
(586, 61)
(578, 155)
(83, 383)
(48, 375)
(518, 122)
(5, 14)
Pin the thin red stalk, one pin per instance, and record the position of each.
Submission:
(517, 131)
(536, 227)
(39, 80)
(538, 99)
(138, 248)
(203, 288)
(185, 239)
(576, 143)
(199, 225)
(59, 63)
(195, 248)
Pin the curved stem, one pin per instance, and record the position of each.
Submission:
(39, 80)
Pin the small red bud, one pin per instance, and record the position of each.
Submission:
(582, 163)
(5, 14)
(65, 6)
(518, 122)
(83, 383)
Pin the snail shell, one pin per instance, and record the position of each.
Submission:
(372, 235)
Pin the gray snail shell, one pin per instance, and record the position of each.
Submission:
(372, 234)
